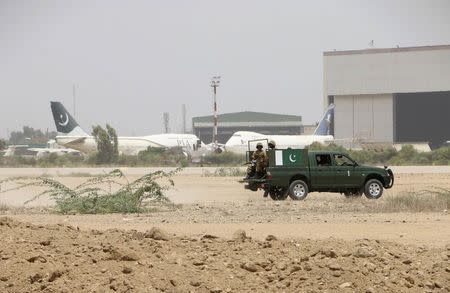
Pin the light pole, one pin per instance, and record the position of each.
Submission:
(215, 81)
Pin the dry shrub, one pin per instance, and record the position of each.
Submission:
(422, 201)
(91, 197)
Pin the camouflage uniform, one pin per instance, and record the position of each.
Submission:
(272, 145)
(261, 158)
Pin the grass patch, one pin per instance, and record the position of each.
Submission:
(424, 201)
(224, 172)
(106, 193)
(224, 158)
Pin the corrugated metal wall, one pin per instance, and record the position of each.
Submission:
(364, 117)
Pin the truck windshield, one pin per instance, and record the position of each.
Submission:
(342, 160)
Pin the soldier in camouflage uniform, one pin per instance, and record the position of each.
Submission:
(259, 163)
(272, 145)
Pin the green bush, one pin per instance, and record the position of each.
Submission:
(53, 160)
(441, 156)
(96, 194)
(162, 157)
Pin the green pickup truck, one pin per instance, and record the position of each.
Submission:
(296, 172)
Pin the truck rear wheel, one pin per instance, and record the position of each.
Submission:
(278, 193)
(373, 189)
(298, 190)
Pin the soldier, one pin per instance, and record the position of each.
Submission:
(259, 161)
(260, 158)
(272, 145)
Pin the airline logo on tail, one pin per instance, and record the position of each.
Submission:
(324, 126)
(64, 122)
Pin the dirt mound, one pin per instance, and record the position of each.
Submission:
(60, 258)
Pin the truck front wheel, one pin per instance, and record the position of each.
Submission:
(373, 189)
(298, 190)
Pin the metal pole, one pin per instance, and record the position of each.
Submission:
(215, 81)
(215, 116)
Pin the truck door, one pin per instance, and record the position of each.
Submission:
(322, 171)
(347, 171)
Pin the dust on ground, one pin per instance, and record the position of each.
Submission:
(325, 243)
(63, 258)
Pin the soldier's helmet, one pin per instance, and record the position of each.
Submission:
(259, 145)
(272, 144)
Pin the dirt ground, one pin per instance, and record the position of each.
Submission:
(325, 243)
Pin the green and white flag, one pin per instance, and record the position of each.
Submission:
(288, 157)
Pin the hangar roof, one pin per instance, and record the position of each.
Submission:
(386, 50)
(248, 118)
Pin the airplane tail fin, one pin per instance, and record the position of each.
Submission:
(64, 122)
(324, 126)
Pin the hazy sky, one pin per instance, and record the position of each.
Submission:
(133, 60)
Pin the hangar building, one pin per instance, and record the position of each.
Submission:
(396, 95)
(265, 123)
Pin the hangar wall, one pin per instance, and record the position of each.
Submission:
(399, 95)
(366, 117)
(396, 70)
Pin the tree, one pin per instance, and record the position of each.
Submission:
(113, 135)
(29, 135)
(107, 144)
(2, 144)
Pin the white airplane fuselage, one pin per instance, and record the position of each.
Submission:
(131, 145)
(238, 143)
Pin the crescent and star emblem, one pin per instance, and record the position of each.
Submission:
(65, 121)
(292, 158)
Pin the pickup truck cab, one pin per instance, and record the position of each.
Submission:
(296, 172)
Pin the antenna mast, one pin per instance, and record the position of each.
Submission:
(215, 81)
